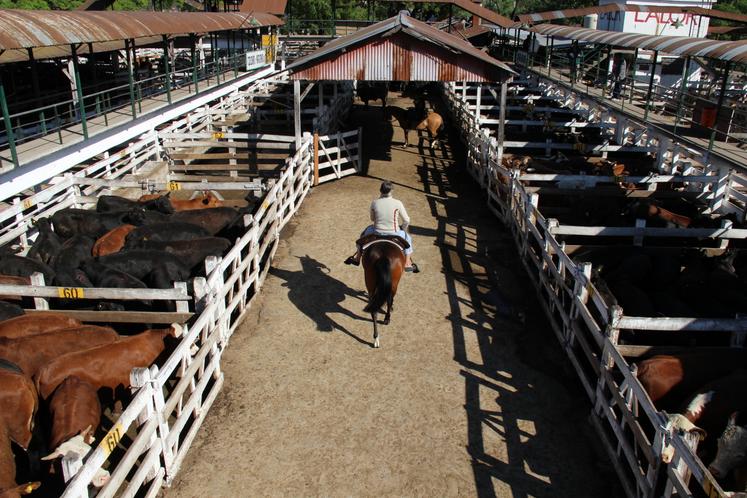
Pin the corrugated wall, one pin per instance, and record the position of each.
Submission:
(399, 58)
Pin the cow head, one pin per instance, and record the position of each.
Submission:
(732, 449)
(680, 424)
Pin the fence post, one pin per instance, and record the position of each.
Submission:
(8, 126)
(316, 158)
(360, 149)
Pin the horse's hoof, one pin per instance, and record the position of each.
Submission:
(385, 322)
(376, 344)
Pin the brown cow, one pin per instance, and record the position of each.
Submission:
(669, 379)
(668, 216)
(75, 409)
(106, 366)
(11, 280)
(26, 325)
(32, 352)
(112, 241)
(19, 402)
(208, 200)
(8, 486)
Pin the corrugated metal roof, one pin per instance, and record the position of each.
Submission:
(473, 8)
(400, 49)
(676, 45)
(50, 33)
(727, 30)
(618, 7)
(276, 7)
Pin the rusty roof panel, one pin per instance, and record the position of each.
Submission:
(617, 7)
(276, 7)
(23, 29)
(366, 53)
(400, 57)
(675, 45)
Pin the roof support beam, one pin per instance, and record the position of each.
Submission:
(724, 85)
(650, 85)
(79, 90)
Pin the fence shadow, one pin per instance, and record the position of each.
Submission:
(523, 406)
(319, 296)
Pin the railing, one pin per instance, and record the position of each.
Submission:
(688, 111)
(631, 429)
(110, 102)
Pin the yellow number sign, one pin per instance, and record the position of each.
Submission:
(174, 186)
(71, 292)
(112, 438)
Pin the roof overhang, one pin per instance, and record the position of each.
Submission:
(732, 51)
(51, 33)
(400, 49)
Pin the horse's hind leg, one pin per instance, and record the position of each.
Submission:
(376, 330)
(388, 310)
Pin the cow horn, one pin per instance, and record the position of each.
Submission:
(177, 330)
(28, 488)
(75, 445)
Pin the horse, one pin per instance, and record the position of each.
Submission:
(383, 265)
(412, 119)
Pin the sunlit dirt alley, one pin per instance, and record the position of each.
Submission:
(469, 395)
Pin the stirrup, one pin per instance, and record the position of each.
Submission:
(351, 261)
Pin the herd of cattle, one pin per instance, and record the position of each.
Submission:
(55, 371)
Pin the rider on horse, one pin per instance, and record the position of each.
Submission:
(386, 212)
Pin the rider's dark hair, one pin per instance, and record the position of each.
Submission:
(386, 187)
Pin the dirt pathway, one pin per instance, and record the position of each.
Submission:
(465, 398)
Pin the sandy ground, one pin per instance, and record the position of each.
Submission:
(465, 398)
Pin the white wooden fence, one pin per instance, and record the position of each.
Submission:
(629, 426)
(145, 446)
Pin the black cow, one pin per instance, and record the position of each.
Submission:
(104, 276)
(164, 232)
(69, 222)
(47, 243)
(213, 220)
(190, 252)
(9, 310)
(113, 203)
(75, 251)
(20, 266)
(373, 91)
(160, 269)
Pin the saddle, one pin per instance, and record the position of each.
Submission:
(368, 240)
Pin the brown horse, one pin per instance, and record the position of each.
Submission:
(412, 119)
(383, 265)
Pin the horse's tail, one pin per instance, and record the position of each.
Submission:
(383, 291)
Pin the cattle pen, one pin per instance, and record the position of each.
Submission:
(536, 193)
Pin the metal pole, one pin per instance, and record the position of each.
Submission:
(721, 97)
(166, 68)
(502, 120)
(549, 55)
(650, 85)
(129, 79)
(681, 95)
(79, 91)
(8, 125)
(37, 91)
(297, 112)
(632, 77)
(606, 76)
(194, 62)
(451, 11)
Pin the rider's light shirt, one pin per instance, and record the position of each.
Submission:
(386, 212)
